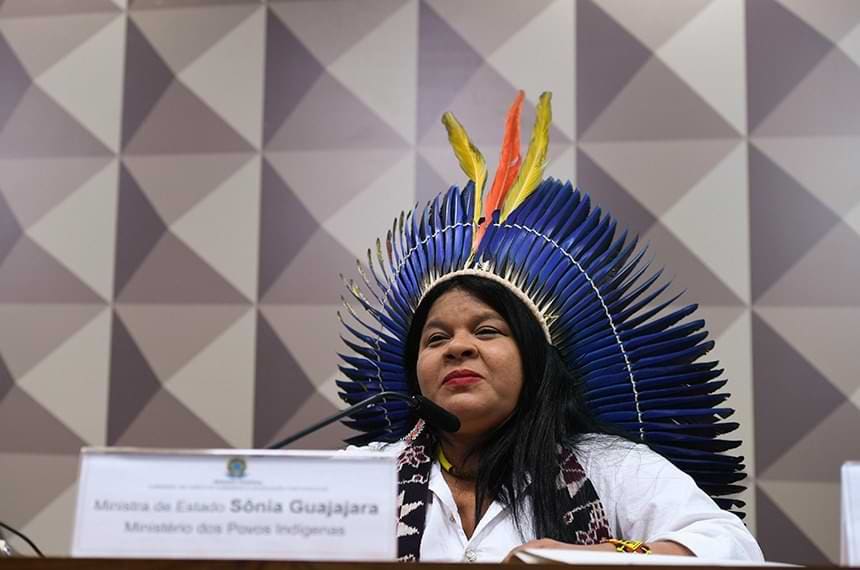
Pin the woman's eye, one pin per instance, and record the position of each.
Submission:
(486, 331)
(435, 338)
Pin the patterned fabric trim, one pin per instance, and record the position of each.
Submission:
(413, 467)
(586, 513)
(582, 506)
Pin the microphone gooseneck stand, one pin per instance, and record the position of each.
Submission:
(432, 413)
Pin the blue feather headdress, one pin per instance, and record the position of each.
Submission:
(587, 285)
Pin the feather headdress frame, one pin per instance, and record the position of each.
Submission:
(639, 356)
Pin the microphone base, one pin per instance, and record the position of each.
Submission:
(6, 550)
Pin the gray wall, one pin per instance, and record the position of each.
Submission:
(182, 181)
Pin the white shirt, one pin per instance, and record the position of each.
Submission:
(644, 495)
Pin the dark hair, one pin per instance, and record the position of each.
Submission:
(521, 457)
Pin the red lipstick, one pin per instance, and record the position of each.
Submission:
(461, 377)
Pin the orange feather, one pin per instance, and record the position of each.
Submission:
(508, 167)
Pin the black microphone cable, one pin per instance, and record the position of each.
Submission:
(23, 537)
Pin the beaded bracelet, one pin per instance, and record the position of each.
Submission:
(631, 546)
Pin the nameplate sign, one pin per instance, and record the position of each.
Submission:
(851, 513)
(298, 505)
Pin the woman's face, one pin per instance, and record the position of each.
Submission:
(469, 363)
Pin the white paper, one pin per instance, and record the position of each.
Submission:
(236, 504)
(851, 514)
(575, 556)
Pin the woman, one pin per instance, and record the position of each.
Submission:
(523, 314)
(480, 354)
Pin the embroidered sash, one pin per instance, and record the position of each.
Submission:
(582, 507)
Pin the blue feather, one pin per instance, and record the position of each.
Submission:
(534, 206)
(686, 356)
(447, 233)
(438, 239)
(367, 365)
(420, 257)
(696, 442)
(458, 230)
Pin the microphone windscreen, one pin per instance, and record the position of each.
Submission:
(435, 415)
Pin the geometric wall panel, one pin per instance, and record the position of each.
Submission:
(331, 29)
(827, 258)
(174, 273)
(53, 437)
(291, 70)
(828, 169)
(811, 506)
(316, 365)
(84, 81)
(229, 74)
(81, 230)
(39, 331)
(194, 328)
(547, 31)
(809, 111)
(714, 37)
(225, 370)
(165, 422)
(281, 386)
(147, 76)
(39, 42)
(182, 183)
(721, 238)
(29, 274)
(32, 188)
(166, 27)
(782, 49)
(607, 57)
(72, 381)
(824, 352)
(132, 381)
(39, 127)
(788, 541)
(174, 184)
(669, 98)
(316, 178)
(388, 88)
(608, 193)
(380, 200)
(445, 63)
(234, 203)
(51, 523)
(783, 380)
(811, 459)
(34, 480)
(15, 81)
(836, 22)
(649, 170)
(774, 250)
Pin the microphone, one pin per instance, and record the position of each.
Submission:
(436, 415)
(430, 412)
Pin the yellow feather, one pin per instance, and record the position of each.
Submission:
(531, 171)
(470, 158)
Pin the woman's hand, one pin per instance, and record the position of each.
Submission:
(660, 547)
(550, 543)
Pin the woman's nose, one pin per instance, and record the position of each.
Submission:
(461, 346)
